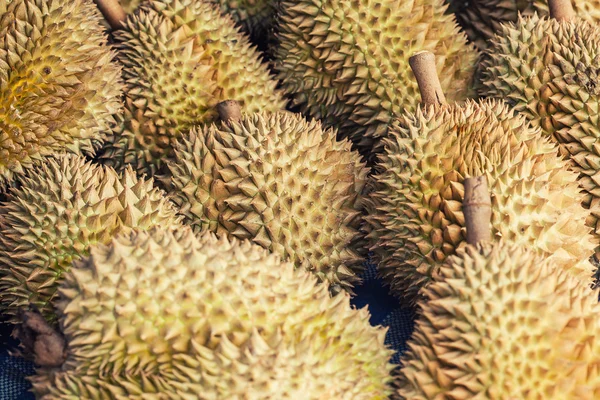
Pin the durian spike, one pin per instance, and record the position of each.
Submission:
(229, 110)
(561, 10)
(477, 208)
(422, 64)
(113, 13)
(47, 345)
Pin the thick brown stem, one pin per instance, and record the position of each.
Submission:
(113, 13)
(229, 110)
(47, 346)
(477, 208)
(423, 66)
(561, 10)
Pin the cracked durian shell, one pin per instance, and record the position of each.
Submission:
(165, 313)
(548, 71)
(63, 206)
(481, 19)
(281, 181)
(500, 322)
(346, 62)
(415, 212)
(180, 58)
(59, 87)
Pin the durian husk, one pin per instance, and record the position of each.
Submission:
(346, 62)
(501, 322)
(482, 19)
(181, 58)
(415, 218)
(548, 71)
(280, 181)
(60, 87)
(62, 207)
(166, 314)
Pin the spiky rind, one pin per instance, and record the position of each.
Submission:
(63, 206)
(481, 19)
(415, 209)
(166, 314)
(282, 182)
(59, 87)
(548, 71)
(181, 58)
(346, 61)
(500, 322)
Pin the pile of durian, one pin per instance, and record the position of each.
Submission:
(190, 189)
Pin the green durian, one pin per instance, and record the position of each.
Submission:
(60, 88)
(166, 314)
(501, 322)
(281, 181)
(63, 206)
(181, 58)
(415, 212)
(345, 62)
(481, 19)
(547, 70)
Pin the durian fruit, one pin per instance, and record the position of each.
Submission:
(415, 212)
(63, 206)
(346, 62)
(501, 322)
(181, 58)
(166, 314)
(252, 16)
(481, 19)
(281, 181)
(547, 70)
(60, 87)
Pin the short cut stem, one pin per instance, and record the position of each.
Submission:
(41, 340)
(477, 209)
(423, 66)
(561, 10)
(113, 13)
(229, 110)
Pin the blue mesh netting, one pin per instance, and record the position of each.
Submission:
(13, 370)
(385, 310)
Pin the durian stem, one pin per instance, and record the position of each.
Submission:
(42, 340)
(423, 67)
(113, 13)
(229, 110)
(561, 10)
(477, 209)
